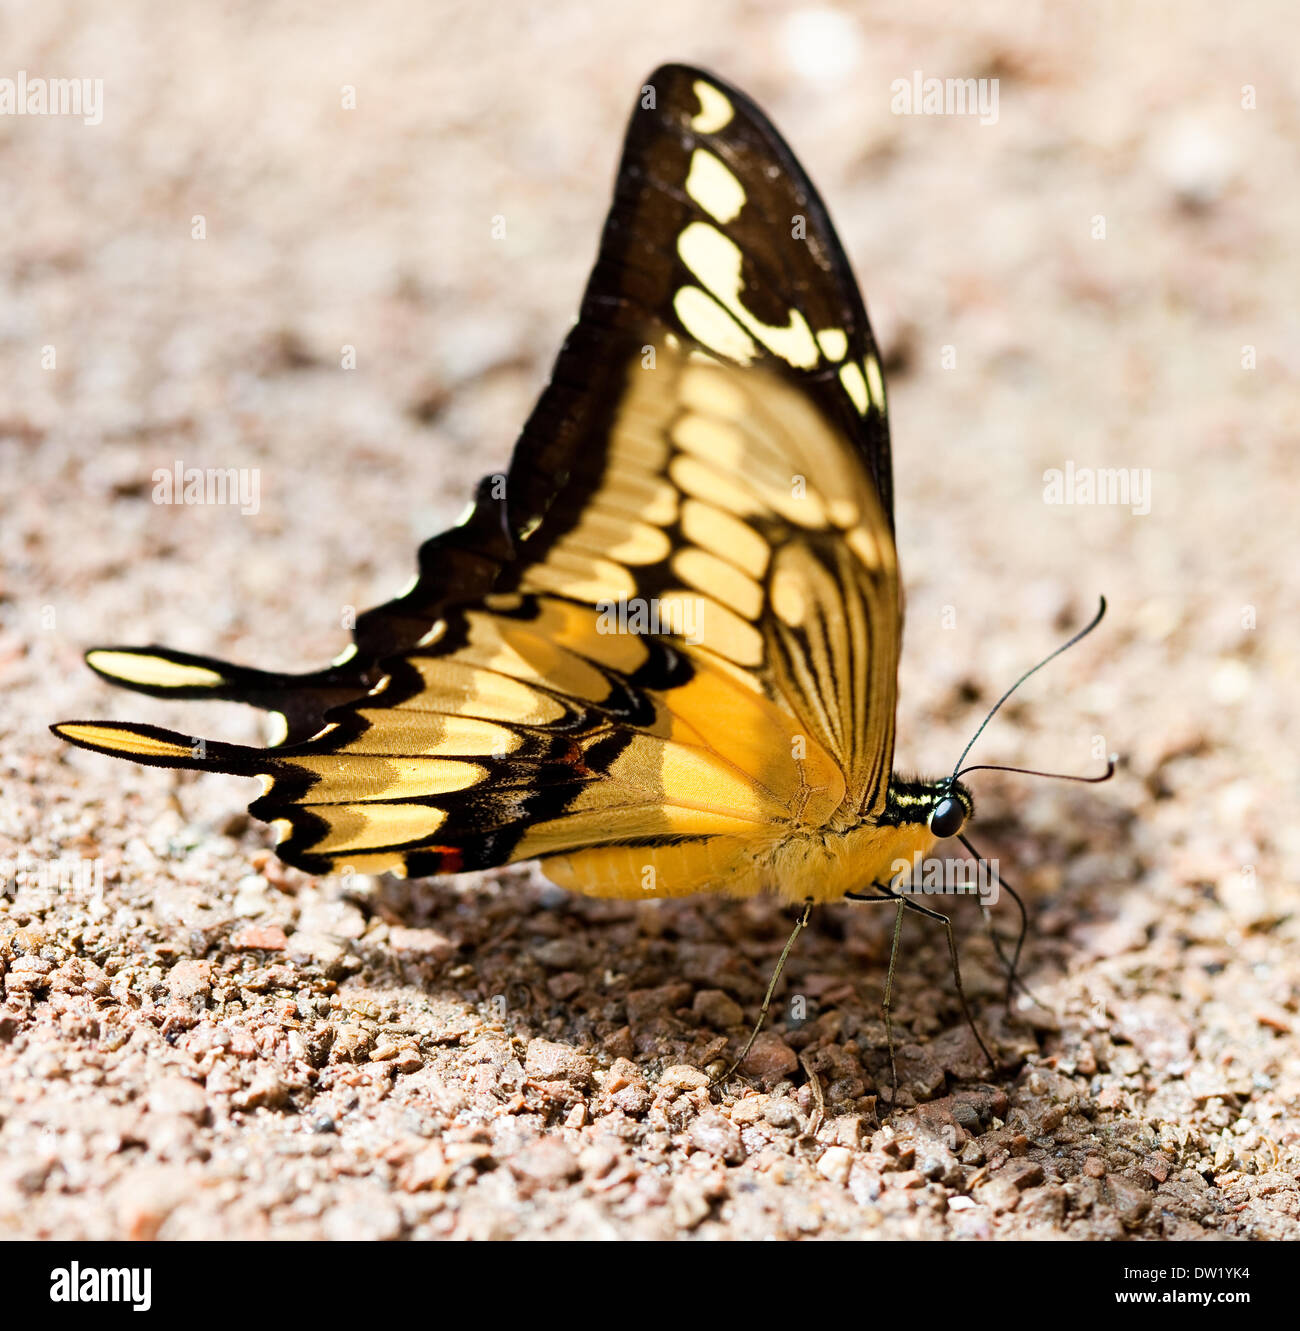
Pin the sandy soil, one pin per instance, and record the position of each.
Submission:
(214, 1046)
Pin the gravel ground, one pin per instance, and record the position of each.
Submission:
(204, 1044)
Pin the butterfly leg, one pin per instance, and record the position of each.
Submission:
(887, 1002)
(1010, 965)
(907, 903)
(799, 927)
(956, 975)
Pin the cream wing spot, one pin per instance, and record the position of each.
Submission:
(855, 386)
(580, 577)
(121, 740)
(715, 577)
(788, 599)
(635, 443)
(715, 110)
(525, 652)
(718, 441)
(152, 671)
(804, 510)
(713, 187)
(834, 342)
(432, 734)
(698, 479)
(710, 325)
(355, 778)
(722, 535)
(369, 827)
(712, 393)
(628, 542)
(649, 499)
(713, 626)
(461, 689)
(875, 381)
(865, 546)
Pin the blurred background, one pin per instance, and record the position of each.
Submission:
(1102, 278)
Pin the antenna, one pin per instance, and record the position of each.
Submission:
(1065, 646)
(1111, 763)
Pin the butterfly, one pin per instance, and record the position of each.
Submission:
(659, 655)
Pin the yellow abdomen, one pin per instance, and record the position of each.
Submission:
(812, 864)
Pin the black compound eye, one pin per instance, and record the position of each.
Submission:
(947, 818)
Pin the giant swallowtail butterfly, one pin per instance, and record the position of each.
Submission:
(661, 657)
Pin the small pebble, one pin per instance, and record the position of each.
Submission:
(717, 1009)
(770, 1057)
(267, 937)
(719, 1137)
(547, 1060)
(835, 1164)
(683, 1077)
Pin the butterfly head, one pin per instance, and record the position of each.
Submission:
(950, 810)
(942, 807)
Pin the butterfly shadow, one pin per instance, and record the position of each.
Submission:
(674, 986)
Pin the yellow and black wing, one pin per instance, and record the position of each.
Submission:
(668, 645)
